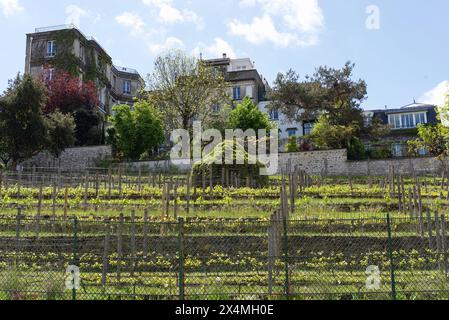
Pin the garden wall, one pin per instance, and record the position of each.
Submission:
(332, 162)
(72, 158)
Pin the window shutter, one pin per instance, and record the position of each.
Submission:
(249, 91)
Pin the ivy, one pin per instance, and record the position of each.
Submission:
(66, 60)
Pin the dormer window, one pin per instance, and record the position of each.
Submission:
(51, 49)
(407, 120)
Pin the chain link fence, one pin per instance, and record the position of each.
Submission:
(202, 259)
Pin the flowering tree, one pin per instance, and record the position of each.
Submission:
(68, 94)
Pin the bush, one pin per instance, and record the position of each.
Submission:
(292, 145)
(356, 150)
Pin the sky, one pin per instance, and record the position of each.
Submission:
(400, 47)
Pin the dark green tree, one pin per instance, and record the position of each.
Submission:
(135, 131)
(60, 132)
(329, 91)
(23, 131)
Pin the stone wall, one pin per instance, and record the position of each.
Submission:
(71, 159)
(332, 162)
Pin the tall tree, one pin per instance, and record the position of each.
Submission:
(184, 89)
(60, 132)
(22, 125)
(136, 130)
(248, 116)
(329, 91)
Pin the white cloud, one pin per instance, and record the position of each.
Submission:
(169, 14)
(215, 50)
(74, 14)
(284, 23)
(261, 30)
(436, 96)
(10, 7)
(169, 43)
(131, 20)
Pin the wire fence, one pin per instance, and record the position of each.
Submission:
(199, 259)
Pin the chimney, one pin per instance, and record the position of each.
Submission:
(225, 55)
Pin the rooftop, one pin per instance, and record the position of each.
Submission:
(127, 70)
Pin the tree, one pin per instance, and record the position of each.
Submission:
(184, 89)
(68, 94)
(248, 116)
(329, 91)
(292, 145)
(434, 139)
(136, 130)
(22, 125)
(326, 135)
(89, 131)
(60, 132)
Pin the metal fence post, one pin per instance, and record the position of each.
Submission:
(286, 266)
(390, 254)
(75, 251)
(181, 278)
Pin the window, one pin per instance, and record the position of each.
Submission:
(308, 128)
(249, 91)
(396, 149)
(127, 87)
(236, 93)
(114, 82)
(407, 120)
(292, 132)
(51, 48)
(274, 115)
(216, 108)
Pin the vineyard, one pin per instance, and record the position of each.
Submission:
(147, 235)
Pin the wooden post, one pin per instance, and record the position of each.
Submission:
(133, 241)
(175, 200)
(444, 243)
(86, 190)
(429, 228)
(211, 182)
(421, 213)
(66, 194)
(106, 253)
(145, 233)
(188, 194)
(438, 240)
(120, 246)
(53, 196)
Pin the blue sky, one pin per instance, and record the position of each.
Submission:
(400, 47)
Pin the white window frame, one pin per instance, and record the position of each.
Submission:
(234, 91)
(51, 49)
(127, 85)
(407, 120)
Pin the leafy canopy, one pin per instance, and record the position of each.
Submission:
(329, 91)
(184, 89)
(248, 116)
(136, 130)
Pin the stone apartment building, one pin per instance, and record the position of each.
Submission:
(403, 122)
(66, 47)
(245, 81)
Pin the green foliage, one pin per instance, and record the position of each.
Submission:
(61, 129)
(329, 91)
(135, 130)
(248, 116)
(292, 145)
(356, 150)
(22, 125)
(433, 138)
(326, 135)
(88, 128)
(183, 89)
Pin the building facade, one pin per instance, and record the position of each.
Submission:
(67, 48)
(404, 124)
